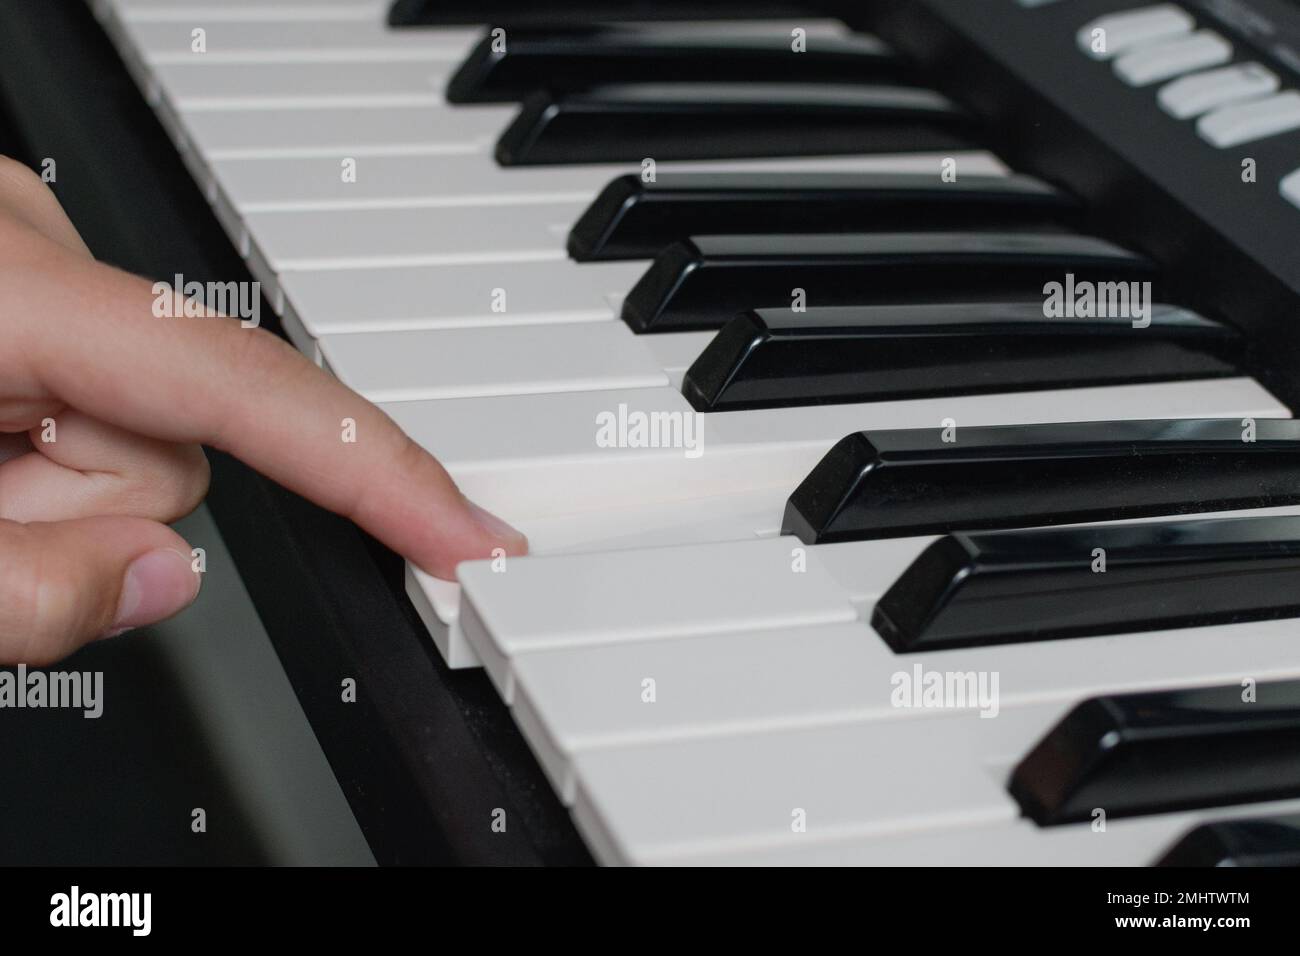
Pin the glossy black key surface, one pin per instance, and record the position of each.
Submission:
(635, 219)
(729, 120)
(405, 13)
(1260, 841)
(774, 358)
(1132, 754)
(703, 282)
(1004, 587)
(884, 484)
(503, 69)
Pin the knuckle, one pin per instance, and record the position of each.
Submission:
(189, 483)
(171, 488)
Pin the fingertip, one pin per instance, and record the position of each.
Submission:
(514, 541)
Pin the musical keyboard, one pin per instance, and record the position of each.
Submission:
(743, 349)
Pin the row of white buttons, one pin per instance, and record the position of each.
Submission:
(1236, 104)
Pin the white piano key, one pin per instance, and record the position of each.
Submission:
(193, 86)
(288, 41)
(663, 802)
(537, 455)
(1130, 841)
(676, 352)
(336, 132)
(729, 517)
(587, 697)
(497, 360)
(375, 300)
(501, 360)
(1229, 398)
(270, 10)
(360, 238)
(436, 603)
(277, 183)
(637, 595)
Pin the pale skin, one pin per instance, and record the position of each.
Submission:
(85, 547)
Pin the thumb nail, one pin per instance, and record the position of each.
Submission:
(157, 585)
(495, 526)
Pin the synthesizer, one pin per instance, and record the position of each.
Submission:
(897, 397)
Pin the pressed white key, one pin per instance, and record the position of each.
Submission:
(256, 184)
(858, 568)
(337, 132)
(196, 86)
(1199, 93)
(699, 520)
(637, 595)
(288, 41)
(472, 295)
(497, 360)
(659, 802)
(538, 455)
(359, 238)
(1157, 62)
(1112, 35)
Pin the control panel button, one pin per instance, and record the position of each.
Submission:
(1165, 59)
(1291, 187)
(1199, 93)
(1122, 31)
(1242, 122)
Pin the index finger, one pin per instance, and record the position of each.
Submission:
(100, 348)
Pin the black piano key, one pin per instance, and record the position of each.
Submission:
(729, 120)
(1133, 754)
(701, 283)
(635, 219)
(884, 484)
(1261, 841)
(778, 358)
(408, 13)
(1010, 587)
(571, 60)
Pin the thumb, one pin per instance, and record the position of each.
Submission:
(65, 583)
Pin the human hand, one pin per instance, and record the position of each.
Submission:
(128, 398)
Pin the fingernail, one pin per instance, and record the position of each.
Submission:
(495, 526)
(157, 585)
